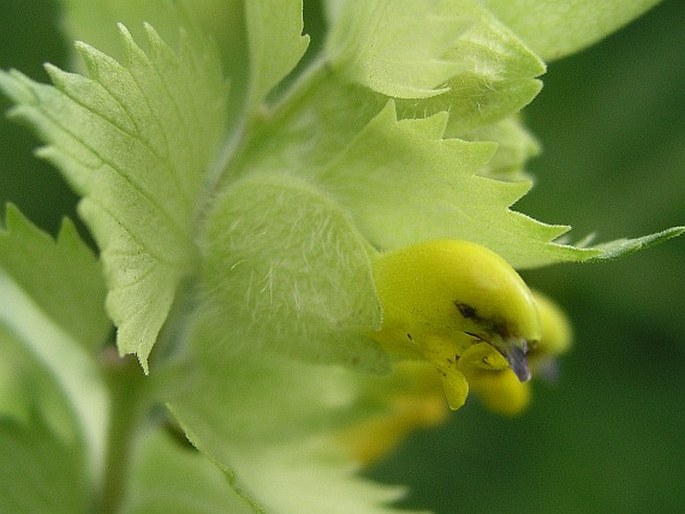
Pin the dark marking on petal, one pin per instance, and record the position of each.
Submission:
(491, 326)
(466, 310)
(501, 330)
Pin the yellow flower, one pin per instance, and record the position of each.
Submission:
(465, 310)
(457, 308)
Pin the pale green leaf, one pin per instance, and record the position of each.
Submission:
(95, 22)
(276, 43)
(285, 268)
(496, 76)
(290, 477)
(62, 277)
(169, 477)
(264, 396)
(47, 332)
(135, 140)
(471, 65)
(297, 478)
(74, 371)
(515, 145)
(404, 183)
(28, 390)
(309, 131)
(274, 433)
(40, 473)
(554, 28)
(385, 45)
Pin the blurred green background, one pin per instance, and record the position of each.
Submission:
(609, 435)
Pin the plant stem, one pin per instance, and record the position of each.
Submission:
(125, 380)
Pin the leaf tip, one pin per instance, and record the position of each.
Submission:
(623, 247)
(144, 364)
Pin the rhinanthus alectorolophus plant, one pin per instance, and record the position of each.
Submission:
(311, 254)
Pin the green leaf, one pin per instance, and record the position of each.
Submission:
(48, 332)
(554, 29)
(308, 130)
(515, 145)
(404, 183)
(264, 36)
(496, 76)
(274, 434)
(169, 477)
(297, 478)
(285, 268)
(471, 66)
(389, 173)
(29, 391)
(276, 43)
(294, 477)
(62, 277)
(40, 473)
(73, 370)
(385, 47)
(95, 22)
(263, 395)
(135, 140)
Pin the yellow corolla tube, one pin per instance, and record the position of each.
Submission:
(441, 298)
